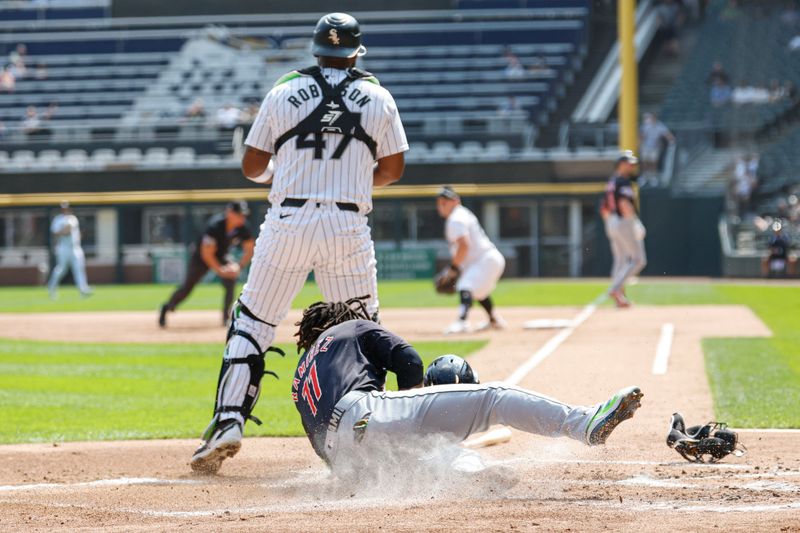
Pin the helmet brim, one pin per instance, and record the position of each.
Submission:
(333, 51)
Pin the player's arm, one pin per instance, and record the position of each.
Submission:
(389, 169)
(407, 366)
(626, 208)
(389, 351)
(208, 253)
(255, 165)
(462, 248)
(247, 252)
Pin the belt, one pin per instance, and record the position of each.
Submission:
(300, 202)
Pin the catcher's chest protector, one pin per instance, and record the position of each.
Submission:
(330, 116)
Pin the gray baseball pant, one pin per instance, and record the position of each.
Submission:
(452, 411)
(634, 258)
(617, 263)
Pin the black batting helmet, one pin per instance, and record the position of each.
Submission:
(449, 369)
(337, 35)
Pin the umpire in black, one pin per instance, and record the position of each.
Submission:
(209, 253)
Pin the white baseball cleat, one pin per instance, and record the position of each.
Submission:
(224, 442)
(496, 322)
(459, 326)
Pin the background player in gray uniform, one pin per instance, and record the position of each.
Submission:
(338, 389)
(625, 230)
(333, 133)
(474, 258)
(69, 254)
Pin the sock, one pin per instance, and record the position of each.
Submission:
(466, 303)
(487, 304)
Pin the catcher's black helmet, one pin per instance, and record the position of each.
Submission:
(449, 369)
(337, 35)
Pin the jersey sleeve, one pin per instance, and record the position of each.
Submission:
(386, 350)
(393, 140)
(455, 229)
(262, 132)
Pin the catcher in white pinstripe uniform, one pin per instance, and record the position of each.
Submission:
(331, 133)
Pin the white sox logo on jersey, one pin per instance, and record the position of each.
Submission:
(333, 35)
(330, 117)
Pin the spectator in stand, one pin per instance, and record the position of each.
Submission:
(514, 69)
(32, 123)
(779, 262)
(791, 91)
(8, 82)
(196, 112)
(18, 58)
(670, 21)
(509, 106)
(776, 91)
(537, 65)
(653, 134)
(41, 71)
(3, 131)
(720, 94)
(718, 73)
(743, 185)
(791, 14)
(228, 117)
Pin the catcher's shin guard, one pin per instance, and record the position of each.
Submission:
(239, 384)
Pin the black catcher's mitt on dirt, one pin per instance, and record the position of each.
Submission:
(703, 444)
(445, 281)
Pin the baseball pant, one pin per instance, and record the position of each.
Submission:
(293, 241)
(452, 411)
(616, 253)
(71, 258)
(631, 249)
(480, 278)
(194, 273)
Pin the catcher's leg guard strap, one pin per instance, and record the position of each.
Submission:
(239, 384)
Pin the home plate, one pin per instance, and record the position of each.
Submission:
(548, 323)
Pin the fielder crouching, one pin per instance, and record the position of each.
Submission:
(338, 389)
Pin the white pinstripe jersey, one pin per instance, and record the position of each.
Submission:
(347, 179)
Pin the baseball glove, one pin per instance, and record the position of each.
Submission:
(445, 281)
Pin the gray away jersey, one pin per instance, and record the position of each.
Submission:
(297, 173)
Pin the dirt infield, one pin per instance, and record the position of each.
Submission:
(634, 483)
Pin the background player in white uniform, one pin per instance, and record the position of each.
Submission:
(69, 254)
(332, 133)
(477, 260)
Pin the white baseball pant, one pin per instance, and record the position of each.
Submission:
(293, 241)
(480, 278)
(69, 258)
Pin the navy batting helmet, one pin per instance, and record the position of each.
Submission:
(337, 35)
(449, 369)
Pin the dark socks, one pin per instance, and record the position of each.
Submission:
(466, 303)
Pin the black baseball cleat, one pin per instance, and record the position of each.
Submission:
(162, 316)
(609, 415)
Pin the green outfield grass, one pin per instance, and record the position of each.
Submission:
(147, 391)
(209, 296)
(64, 392)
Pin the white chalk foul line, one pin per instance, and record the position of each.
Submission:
(552, 345)
(98, 483)
(663, 349)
